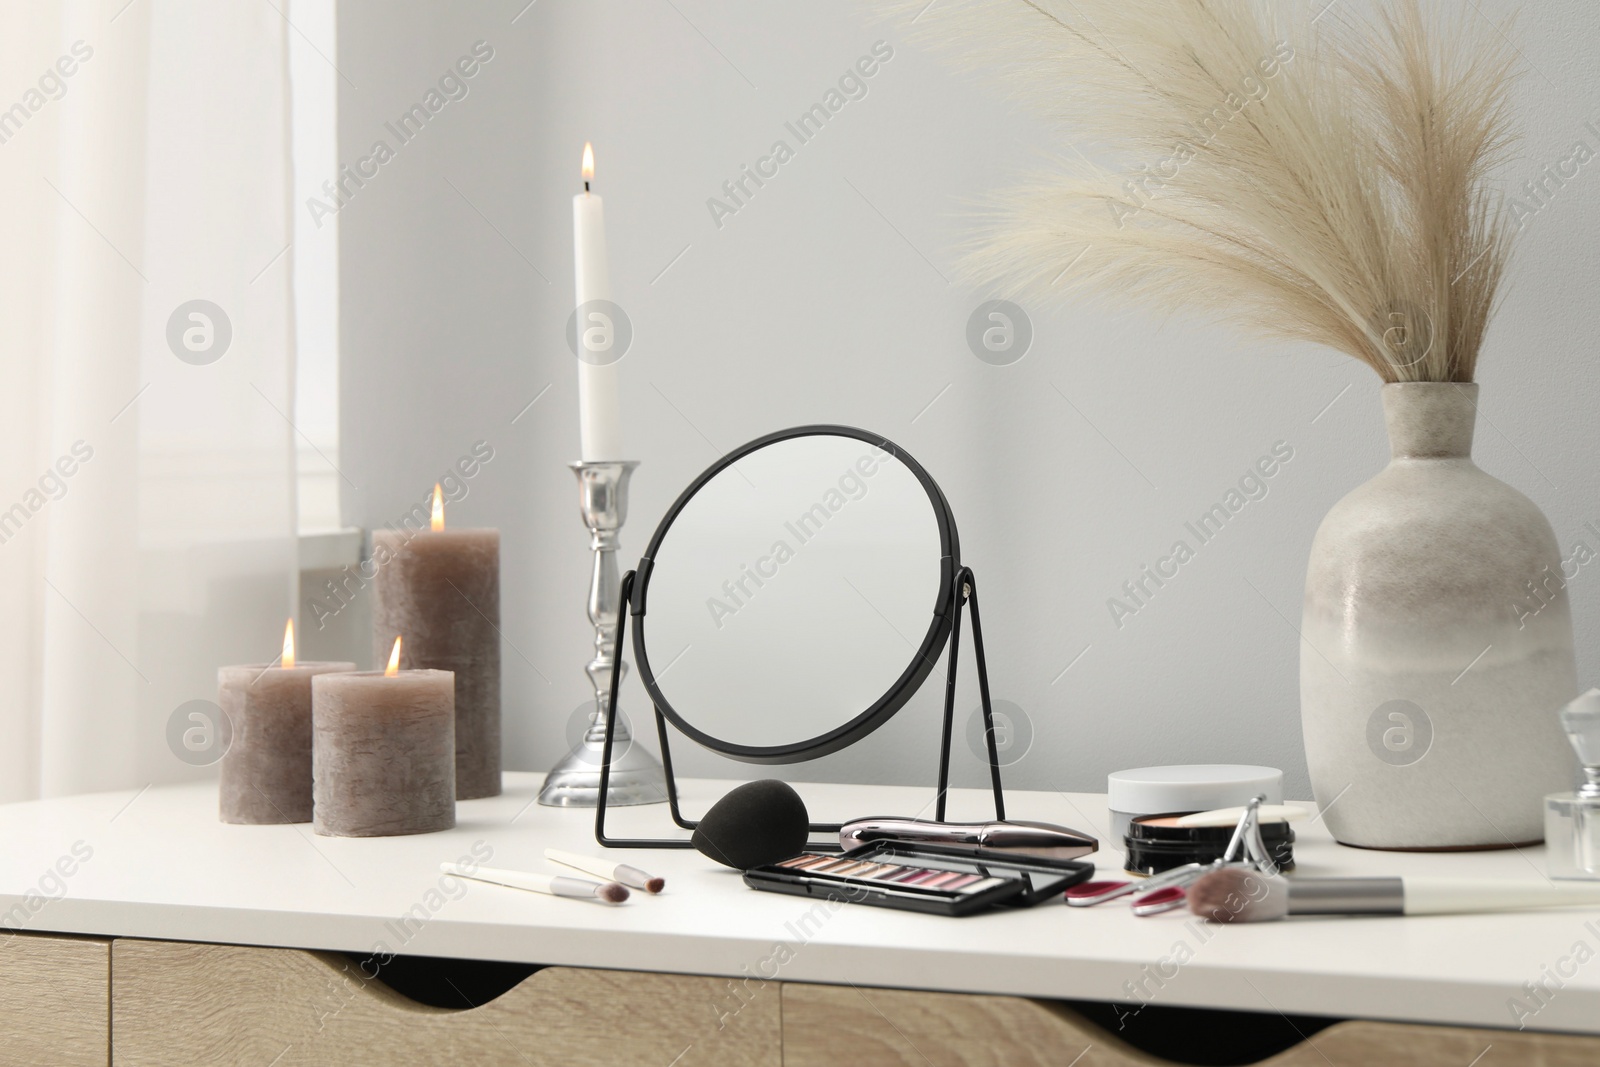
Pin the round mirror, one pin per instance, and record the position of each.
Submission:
(796, 594)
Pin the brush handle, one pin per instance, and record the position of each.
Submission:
(555, 885)
(600, 868)
(587, 864)
(1445, 896)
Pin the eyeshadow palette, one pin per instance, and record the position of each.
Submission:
(895, 876)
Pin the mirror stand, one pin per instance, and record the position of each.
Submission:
(964, 591)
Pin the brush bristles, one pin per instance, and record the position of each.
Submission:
(612, 893)
(655, 885)
(1239, 895)
(1320, 180)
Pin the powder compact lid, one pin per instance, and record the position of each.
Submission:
(1199, 787)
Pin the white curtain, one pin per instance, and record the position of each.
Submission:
(146, 487)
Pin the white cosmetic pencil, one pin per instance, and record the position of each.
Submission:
(603, 868)
(555, 885)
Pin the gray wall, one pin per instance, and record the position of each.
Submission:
(827, 298)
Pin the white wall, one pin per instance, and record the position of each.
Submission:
(826, 299)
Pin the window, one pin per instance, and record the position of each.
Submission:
(314, 87)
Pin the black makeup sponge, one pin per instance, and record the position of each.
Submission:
(756, 823)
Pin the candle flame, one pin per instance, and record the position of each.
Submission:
(438, 509)
(394, 661)
(288, 644)
(588, 161)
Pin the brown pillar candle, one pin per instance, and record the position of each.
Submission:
(384, 752)
(441, 588)
(266, 769)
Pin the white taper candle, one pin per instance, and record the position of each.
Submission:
(599, 414)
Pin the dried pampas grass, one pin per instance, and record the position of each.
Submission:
(1319, 179)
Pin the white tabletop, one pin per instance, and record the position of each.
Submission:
(160, 865)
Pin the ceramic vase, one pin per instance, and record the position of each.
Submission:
(1436, 645)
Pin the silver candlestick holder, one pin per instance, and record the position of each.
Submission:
(636, 776)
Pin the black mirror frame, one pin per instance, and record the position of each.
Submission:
(910, 680)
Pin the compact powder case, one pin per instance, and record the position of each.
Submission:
(1155, 843)
(1197, 787)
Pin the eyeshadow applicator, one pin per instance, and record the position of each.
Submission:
(610, 870)
(555, 885)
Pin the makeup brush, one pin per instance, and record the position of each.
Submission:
(1010, 837)
(555, 885)
(607, 869)
(1241, 895)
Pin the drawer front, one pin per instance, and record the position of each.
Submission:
(55, 1000)
(226, 1004)
(825, 1026)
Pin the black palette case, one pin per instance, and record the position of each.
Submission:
(889, 875)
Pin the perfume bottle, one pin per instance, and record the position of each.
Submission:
(1572, 820)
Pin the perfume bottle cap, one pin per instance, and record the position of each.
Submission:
(1581, 720)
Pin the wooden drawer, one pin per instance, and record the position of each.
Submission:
(179, 1003)
(55, 1000)
(825, 1026)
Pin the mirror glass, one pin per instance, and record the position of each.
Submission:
(795, 591)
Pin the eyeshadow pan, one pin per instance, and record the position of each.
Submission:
(933, 879)
(852, 867)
